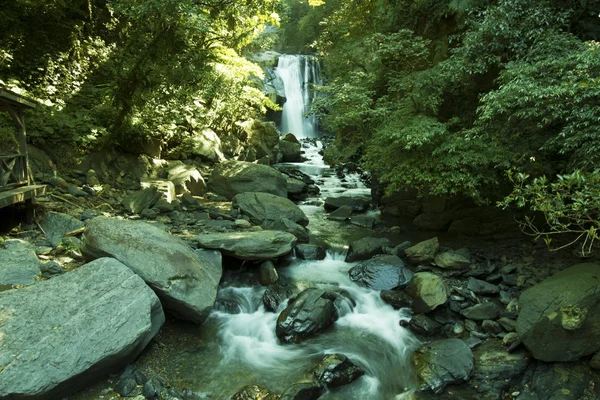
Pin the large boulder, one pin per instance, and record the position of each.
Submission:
(260, 207)
(140, 200)
(428, 291)
(59, 335)
(453, 260)
(365, 248)
(357, 203)
(186, 281)
(186, 178)
(254, 245)
(289, 226)
(291, 151)
(232, 177)
(57, 225)
(206, 145)
(263, 137)
(18, 263)
(310, 312)
(382, 272)
(423, 252)
(560, 317)
(443, 362)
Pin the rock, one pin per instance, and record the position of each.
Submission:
(466, 226)
(263, 137)
(165, 188)
(399, 250)
(102, 313)
(421, 324)
(428, 291)
(164, 206)
(49, 269)
(267, 274)
(359, 204)
(137, 201)
(443, 362)
(480, 312)
(260, 207)
(482, 287)
(186, 281)
(254, 392)
(91, 178)
(508, 324)
(595, 362)
(452, 260)
(364, 220)
(560, 317)
(423, 252)
(286, 225)
(433, 222)
(189, 202)
(186, 178)
(310, 312)
(290, 137)
(292, 152)
(310, 252)
(56, 225)
(242, 224)
(249, 245)
(489, 326)
(120, 170)
(206, 145)
(149, 213)
(19, 264)
(232, 177)
(497, 370)
(396, 298)
(310, 390)
(510, 338)
(365, 248)
(382, 272)
(336, 370)
(563, 382)
(341, 214)
(277, 293)
(296, 187)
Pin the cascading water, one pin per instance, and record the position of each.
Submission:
(298, 73)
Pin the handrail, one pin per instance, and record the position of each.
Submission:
(13, 171)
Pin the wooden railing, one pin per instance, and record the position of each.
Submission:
(13, 171)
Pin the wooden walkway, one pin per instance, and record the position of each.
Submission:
(21, 194)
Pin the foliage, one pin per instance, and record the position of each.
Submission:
(570, 205)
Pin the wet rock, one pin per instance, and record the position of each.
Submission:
(365, 248)
(310, 390)
(260, 207)
(137, 201)
(364, 220)
(428, 291)
(186, 281)
(277, 293)
(443, 362)
(423, 252)
(101, 311)
(399, 250)
(382, 272)
(57, 225)
(480, 312)
(496, 369)
(396, 298)
(267, 274)
(482, 287)
(296, 188)
(156, 388)
(452, 260)
(232, 177)
(560, 317)
(289, 226)
(291, 151)
(254, 392)
(336, 370)
(19, 264)
(341, 214)
(310, 252)
(249, 245)
(310, 312)
(358, 204)
(421, 324)
(562, 381)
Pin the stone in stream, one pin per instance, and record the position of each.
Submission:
(291, 151)
(482, 287)
(309, 390)
(422, 325)
(482, 311)
(310, 252)
(260, 207)
(336, 370)
(443, 362)
(399, 250)
(396, 298)
(423, 252)
(296, 187)
(267, 274)
(359, 204)
(56, 225)
(137, 201)
(289, 226)
(310, 312)
(254, 392)
(452, 260)
(277, 293)
(61, 334)
(428, 291)
(186, 281)
(249, 245)
(560, 317)
(341, 214)
(232, 177)
(382, 272)
(18, 263)
(365, 248)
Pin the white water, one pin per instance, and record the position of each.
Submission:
(298, 73)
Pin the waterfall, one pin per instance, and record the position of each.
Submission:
(298, 73)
